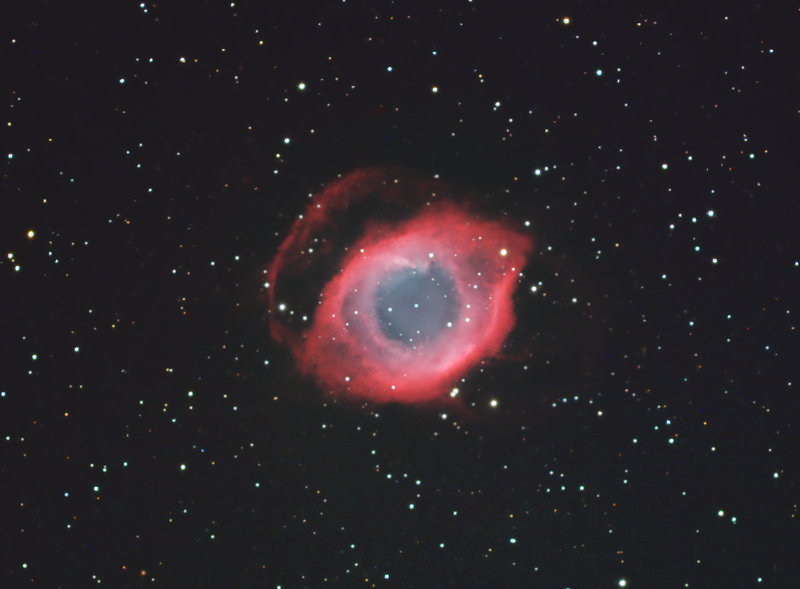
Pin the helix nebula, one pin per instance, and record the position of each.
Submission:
(389, 288)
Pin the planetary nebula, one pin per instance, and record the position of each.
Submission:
(390, 289)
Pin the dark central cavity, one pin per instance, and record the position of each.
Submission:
(416, 305)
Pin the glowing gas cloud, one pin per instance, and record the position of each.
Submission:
(390, 288)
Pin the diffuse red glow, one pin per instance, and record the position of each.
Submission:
(347, 348)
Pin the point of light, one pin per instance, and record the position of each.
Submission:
(301, 86)
(504, 252)
(31, 234)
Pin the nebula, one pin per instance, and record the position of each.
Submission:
(389, 288)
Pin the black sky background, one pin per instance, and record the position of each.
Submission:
(643, 435)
